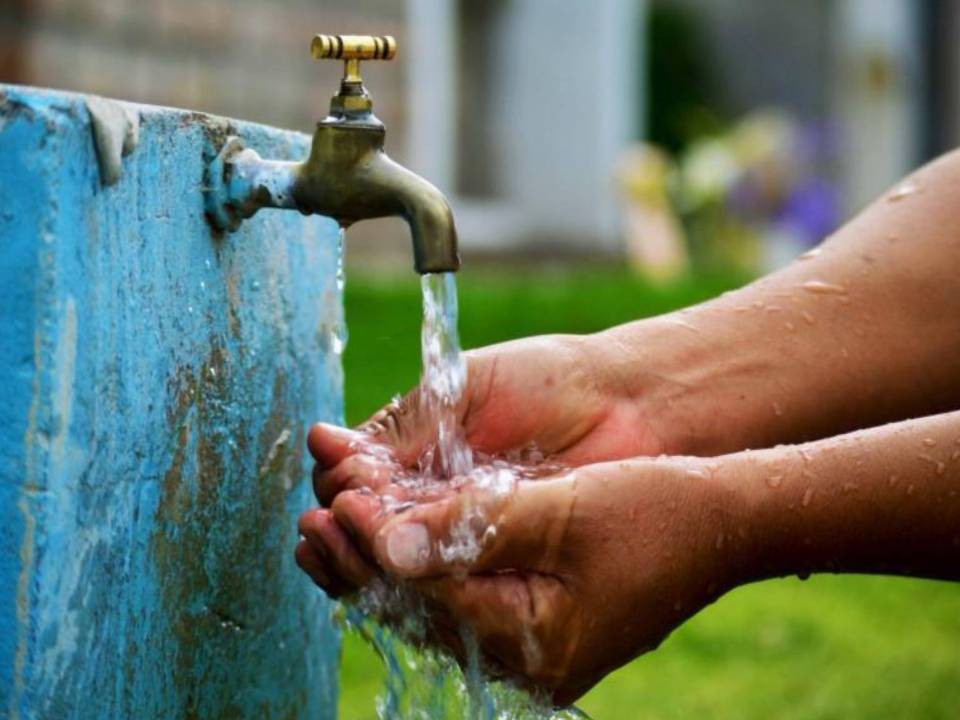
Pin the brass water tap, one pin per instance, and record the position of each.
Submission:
(347, 176)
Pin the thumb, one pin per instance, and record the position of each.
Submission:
(478, 531)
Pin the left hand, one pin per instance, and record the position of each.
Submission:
(582, 572)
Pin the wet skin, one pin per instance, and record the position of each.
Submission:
(591, 567)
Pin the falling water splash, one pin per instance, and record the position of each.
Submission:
(444, 377)
(425, 684)
(333, 332)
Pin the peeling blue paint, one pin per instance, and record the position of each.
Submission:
(157, 381)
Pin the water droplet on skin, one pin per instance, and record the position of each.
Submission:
(955, 455)
(777, 410)
(810, 254)
(805, 454)
(909, 489)
(807, 497)
(757, 304)
(719, 542)
(790, 326)
(819, 287)
(938, 466)
(697, 475)
(849, 487)
(774, 308)
(844, 352)
(683, 324)
(904, 189)
(774, 481)
(929, 442)
(892, 480)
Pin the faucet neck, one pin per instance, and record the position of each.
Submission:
(352, 105)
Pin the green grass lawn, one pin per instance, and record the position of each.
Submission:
(830, 647)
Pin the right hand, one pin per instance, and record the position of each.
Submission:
(574, 574)
(559, 393)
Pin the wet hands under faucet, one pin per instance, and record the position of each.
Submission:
(584, 571)
(590, 567)
(558, 393)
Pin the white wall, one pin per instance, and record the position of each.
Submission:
(565, 101)
(876, 94)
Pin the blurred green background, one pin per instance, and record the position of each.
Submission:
(830, 647)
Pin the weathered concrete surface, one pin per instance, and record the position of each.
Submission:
(156, 382)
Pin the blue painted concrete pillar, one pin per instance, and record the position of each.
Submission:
(156, 382)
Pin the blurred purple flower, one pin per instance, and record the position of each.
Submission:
(812, 210)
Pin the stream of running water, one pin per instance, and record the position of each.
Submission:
(428, 684)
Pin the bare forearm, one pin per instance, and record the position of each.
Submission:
(885, 500)
(866, 330)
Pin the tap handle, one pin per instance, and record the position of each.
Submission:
(353, 47)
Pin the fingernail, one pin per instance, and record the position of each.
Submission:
(408, 546)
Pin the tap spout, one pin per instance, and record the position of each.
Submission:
(348, 177)
(424, 208)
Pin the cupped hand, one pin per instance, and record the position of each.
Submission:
(573, 576)
(560, 394)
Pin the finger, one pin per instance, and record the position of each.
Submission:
(360, 513)
(330, 444)
(311, 563)
(333, 545)
(473, 530)
(356, 471)
(402, 426)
